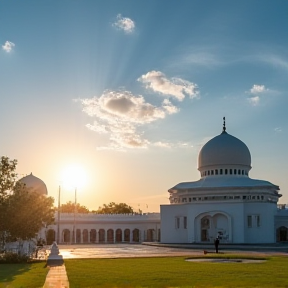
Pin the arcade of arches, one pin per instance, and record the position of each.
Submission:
(103, 236)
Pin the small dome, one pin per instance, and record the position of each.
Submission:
(224, 149)
(34, 184)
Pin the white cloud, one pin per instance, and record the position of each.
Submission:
(278, 129)
(162, 144)
(120, 113)
(176, 87)
(256, 89)
(8, 46)
(254, 100)
(255, 92)
(124, 23)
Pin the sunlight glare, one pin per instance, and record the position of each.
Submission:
(74, 176)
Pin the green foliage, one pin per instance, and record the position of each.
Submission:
(7, 176)
(22, 212)
(115, 208)
(28, 275)
(10, 257)
(69, 207)
(7, 181)
(175, 272)
(28, 212)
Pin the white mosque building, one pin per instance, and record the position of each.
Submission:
(223, 203)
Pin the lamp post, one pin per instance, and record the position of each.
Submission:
(75, 213)
(58, 217)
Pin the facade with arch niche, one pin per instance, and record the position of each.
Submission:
(225, 202)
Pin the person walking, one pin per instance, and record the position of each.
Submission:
(216, 243)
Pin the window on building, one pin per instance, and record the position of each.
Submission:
(216, 171)
(177, 222)
(235, 171)
(212, 172)
(184, 199)
(189, 199)
(221, 171)
(226, 171)
(205, 173)
(185, 222)
(208, 172)
(244, 197)
(239, 172)
(249, 221)
(231, 171)
(257, 218)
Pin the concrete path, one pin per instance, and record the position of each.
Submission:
(56, 277)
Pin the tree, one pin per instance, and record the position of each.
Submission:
(7, 176)
(7, 181)
(69, 207)
(28, 212)
(115, 208)
(22, 212)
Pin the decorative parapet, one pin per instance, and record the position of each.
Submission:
(109, 217)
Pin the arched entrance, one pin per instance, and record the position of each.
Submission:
(93, 236)
(118, 235)
(281, 234)
(110, 236)
(127, 235)
(101, 236)
(136, 235)
(85, 236)
(211, 225)
(66, 236)
(150, 235)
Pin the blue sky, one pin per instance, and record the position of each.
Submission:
(131, 90)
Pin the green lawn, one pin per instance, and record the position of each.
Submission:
(23, 275)
(153, 272)
(175, 272)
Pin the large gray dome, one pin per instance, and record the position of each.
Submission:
(224, 149)
(33, 183)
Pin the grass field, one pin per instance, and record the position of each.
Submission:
(175, 272)
(153, 272)
(23, 275)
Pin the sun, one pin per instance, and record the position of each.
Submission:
(74, 176)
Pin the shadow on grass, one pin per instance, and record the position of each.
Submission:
(8, 272)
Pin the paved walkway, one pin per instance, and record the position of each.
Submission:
(56, 277)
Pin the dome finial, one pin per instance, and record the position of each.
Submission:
(224, 125)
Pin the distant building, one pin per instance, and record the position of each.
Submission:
(225, 202)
